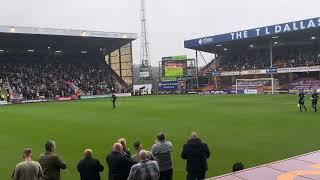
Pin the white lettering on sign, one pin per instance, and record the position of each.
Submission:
(286, 28)
(295, 28)
(302, 25)
(258, 31)
(245, 34)
(267, 31)
(277, 29)
(232, 36)
(311, 24)
(239, 35)
(280, 28)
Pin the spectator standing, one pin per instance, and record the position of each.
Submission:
(89, 168)
(138, 147)
(237, 167)
(51, 163)
(28, 169)
(123, 142)
(196, 153)
(119, 164)
(145, 170)
(162, 152)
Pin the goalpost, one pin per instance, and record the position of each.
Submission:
(254, 87)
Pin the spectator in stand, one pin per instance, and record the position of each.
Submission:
(162, 152)
(119, 164)
(123, 142)
(89, 168)
(145, 169)
(51, 163)
(138, 147)
(28, 169)
(2, 97)
(196, 153)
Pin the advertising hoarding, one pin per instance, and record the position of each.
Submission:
(168, 86)
(144, 89)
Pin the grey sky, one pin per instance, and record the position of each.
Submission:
(170, 22)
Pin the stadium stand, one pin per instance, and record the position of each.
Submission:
(57, 79)
(40, 63)
(287, 52)
(306, 85)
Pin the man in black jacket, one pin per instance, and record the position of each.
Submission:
(119, 164)
(89, 168)
(196, 153)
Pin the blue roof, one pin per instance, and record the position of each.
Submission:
(274, 30)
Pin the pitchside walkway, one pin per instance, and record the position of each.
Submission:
(304, 167)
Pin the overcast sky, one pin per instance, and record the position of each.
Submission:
(170, 22)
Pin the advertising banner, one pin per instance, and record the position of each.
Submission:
(145, 74)
(35, 101)
(175, 58)
(16, 98)
(105, 96)
(123, 94)
(313, 68)
(96, 96)
(293, 69)
(272, 70)
(3, 103)
(216, 73)
(252, 72)
(144, 89)
(168, 86)
(230, 73)
(68, 98)
(250, 91)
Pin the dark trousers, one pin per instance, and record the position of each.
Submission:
(166, 175)
(196, 175)
(114, 104)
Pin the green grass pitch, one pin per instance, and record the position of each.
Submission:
(251, 129)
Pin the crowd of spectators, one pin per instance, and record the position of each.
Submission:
(262, 60)
(143, 165)
(255, 84)
(54, 79)
(306, 85)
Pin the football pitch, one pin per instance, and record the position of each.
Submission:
(253, 129)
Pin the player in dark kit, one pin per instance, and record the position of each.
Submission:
(301, 101)
(314, 99)
(114, 98)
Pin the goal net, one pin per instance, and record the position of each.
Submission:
(256, 86)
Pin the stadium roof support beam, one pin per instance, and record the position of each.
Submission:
(197, 69)
(271, 63)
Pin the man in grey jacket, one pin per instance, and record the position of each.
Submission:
(28, 169)
(162, 152)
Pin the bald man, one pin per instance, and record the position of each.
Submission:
(89, 168)
(145, 169)
(119, 164)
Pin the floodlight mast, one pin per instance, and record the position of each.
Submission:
(144, 42)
